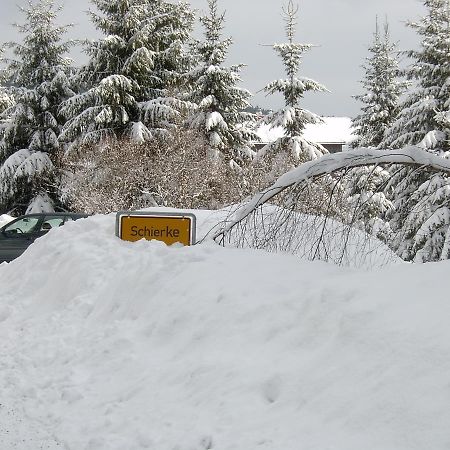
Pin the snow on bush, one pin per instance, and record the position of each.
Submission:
(175, 171)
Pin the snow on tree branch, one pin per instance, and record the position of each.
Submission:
(327, 164)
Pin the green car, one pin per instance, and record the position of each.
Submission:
(17, 235)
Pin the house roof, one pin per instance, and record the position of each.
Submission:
(334, 130)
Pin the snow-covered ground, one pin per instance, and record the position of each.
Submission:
(111, 345)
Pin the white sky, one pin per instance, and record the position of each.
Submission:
(341, 29)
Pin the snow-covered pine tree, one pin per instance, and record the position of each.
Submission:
(427, 102)
(29, 143)
(421, 215)
(292, 116)
(382, 91)
(383, 88)
(6, 99)
(220, 102)
(368, 205)
(128, 88)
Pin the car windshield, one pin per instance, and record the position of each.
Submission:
(25, 225)
(51, 222)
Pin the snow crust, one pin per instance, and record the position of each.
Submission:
(111, 345)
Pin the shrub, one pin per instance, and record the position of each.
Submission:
(173, 171)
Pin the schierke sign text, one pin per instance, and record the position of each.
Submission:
(167, 227)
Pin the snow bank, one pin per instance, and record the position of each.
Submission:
(110, 345)
(309, 237)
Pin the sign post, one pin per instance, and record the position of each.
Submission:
(163, 226)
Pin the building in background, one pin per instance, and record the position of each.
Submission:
(335, 133)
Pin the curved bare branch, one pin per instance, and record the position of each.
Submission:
(412, 156)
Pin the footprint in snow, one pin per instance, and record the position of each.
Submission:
(272, 389)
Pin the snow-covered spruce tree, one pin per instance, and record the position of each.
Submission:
(129, 86)
(382, 91)
(6, 98)
(220, 102)
(6, 101)
(292, 116)
(421, 215)
(420, 120)
(37, 74)
(380, 100)
(367, 202)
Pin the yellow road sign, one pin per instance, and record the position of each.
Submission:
(167, 227)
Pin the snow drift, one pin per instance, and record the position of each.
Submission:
(110, 345)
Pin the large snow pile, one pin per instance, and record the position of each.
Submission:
(310, 237)
(114, 345)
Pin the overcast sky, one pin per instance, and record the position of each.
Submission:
(341, 29)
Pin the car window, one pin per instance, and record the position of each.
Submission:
(51, 222)
(25, 225)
